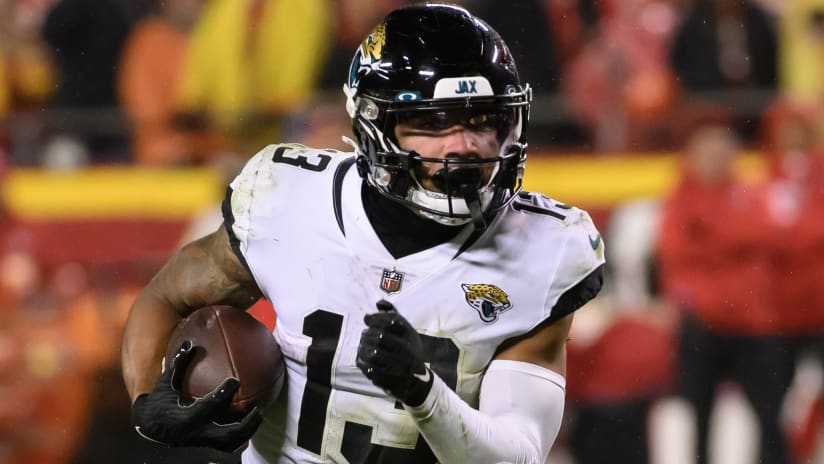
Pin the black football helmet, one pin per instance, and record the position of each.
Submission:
(438, 65)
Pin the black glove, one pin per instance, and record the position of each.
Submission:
(160, 416)
(391, 356)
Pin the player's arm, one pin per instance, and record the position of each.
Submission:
(522, 395)
(522, 392)
(202, 273)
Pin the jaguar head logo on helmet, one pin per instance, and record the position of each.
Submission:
(439, 114)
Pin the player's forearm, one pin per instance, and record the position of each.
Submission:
(519, 417)
(149, 325)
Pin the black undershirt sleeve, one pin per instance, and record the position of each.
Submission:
(578, 295)
(228, 221)
(569, 302)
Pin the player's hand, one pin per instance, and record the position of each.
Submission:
(391, 356)
(160, 416)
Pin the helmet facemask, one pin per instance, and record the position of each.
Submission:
(456, 189)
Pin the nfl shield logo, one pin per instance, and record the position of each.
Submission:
(391, 281)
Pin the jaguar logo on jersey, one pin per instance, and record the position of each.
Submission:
(488, 300)
(391, 281)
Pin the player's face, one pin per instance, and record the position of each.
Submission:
(711, 153)
(454, 137)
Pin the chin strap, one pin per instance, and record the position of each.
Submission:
(473, 202)
(466, 181)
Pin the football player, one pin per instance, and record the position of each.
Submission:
(423, 299)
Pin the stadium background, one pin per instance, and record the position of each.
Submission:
(90, 211)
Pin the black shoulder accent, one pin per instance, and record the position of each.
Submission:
(228, 221)
(578, 295)
(337, 182)
(569, 302)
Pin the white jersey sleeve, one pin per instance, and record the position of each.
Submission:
(581, 253)
(561, 252)
(269, 194)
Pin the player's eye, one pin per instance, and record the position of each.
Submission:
(430, 121)
(435, 121)
(481, 121)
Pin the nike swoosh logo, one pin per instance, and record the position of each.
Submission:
(137, 429)
(594, 242)
(423, 377)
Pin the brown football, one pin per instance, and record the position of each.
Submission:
(229, 342)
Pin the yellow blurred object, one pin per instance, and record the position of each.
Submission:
(236, 67)
(140, 193)
(601, 182)
(111, 193)
(4, 89)
(801, 51)
(32, 73)
(43, 360)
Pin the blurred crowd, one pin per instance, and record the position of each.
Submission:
(715, 291)
(181, 82)
(712, 288)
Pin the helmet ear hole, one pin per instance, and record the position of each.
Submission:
(368, 109)
(382, 177)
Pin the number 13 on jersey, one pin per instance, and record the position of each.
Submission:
(325, 328)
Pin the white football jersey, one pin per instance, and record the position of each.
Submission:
(297, 219)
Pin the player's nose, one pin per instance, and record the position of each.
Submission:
(459, 140)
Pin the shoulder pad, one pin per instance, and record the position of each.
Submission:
(273, 181)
